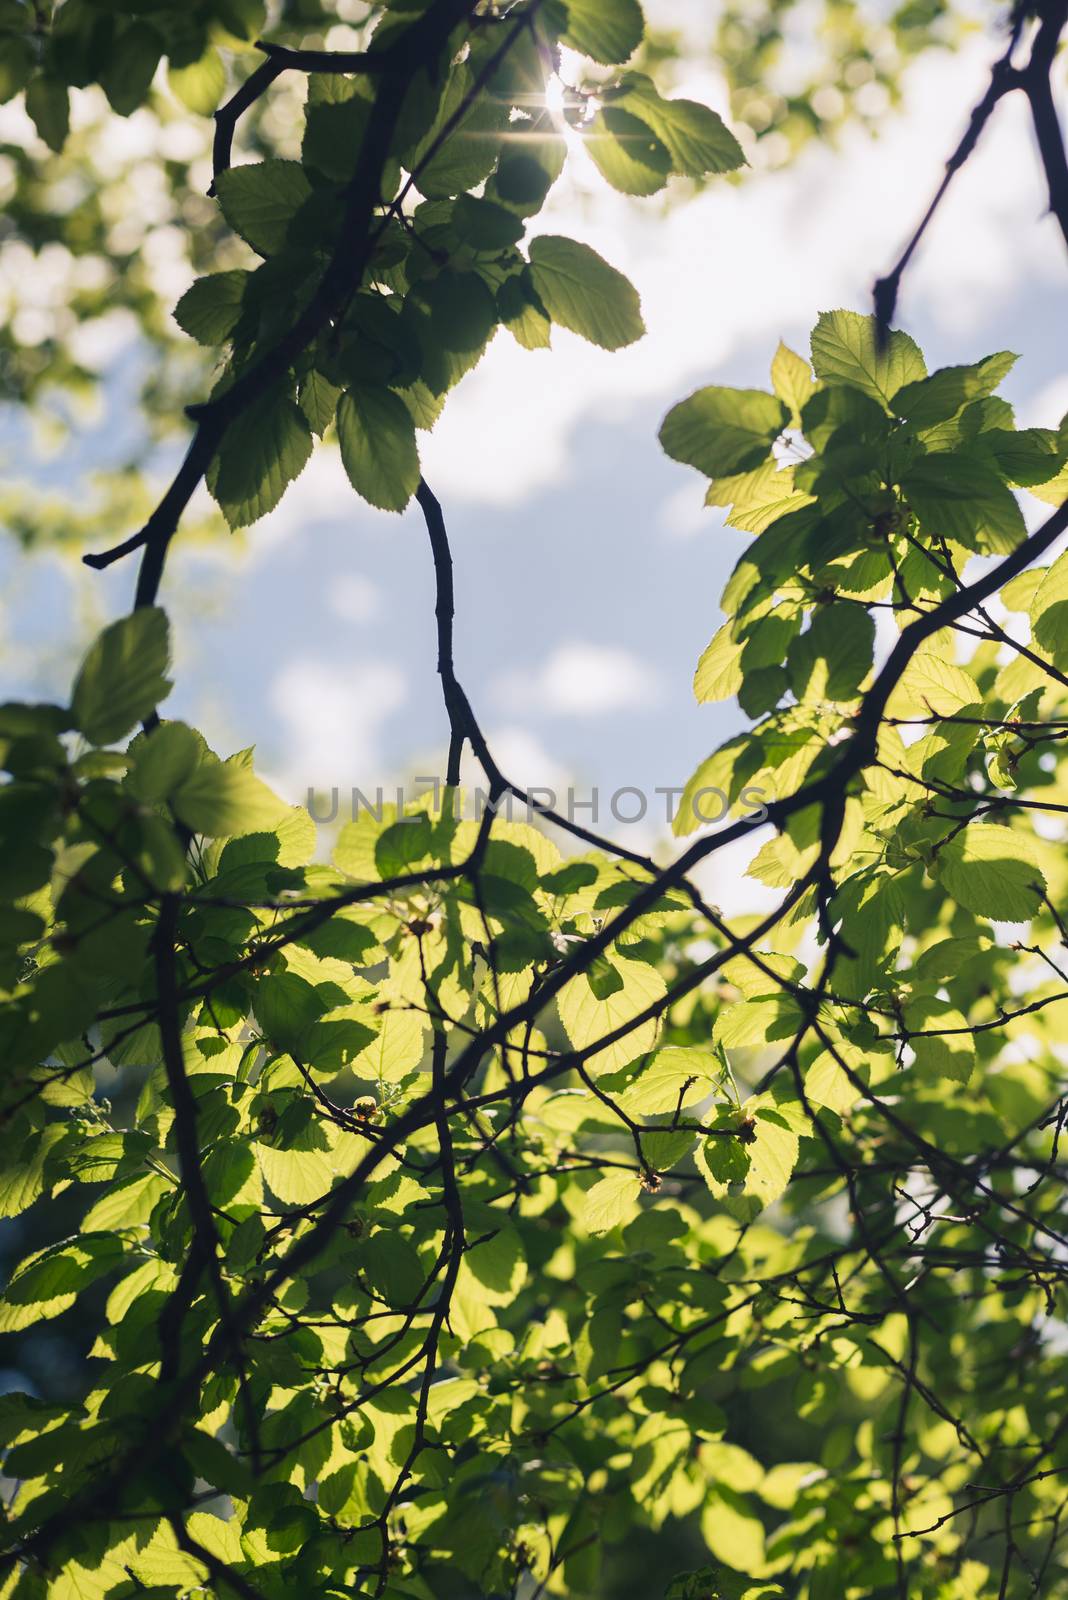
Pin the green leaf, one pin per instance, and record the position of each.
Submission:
(463, 312)
(582, 292)
(940, 1052)
(1025, 457)
(1049, 610)
(401, 845)
(377, 437)
(122, 679)
(723, 431)
(831, 660)
(992, 871)
(844, 349)
(959, 496)
(603, 978)
(463, 145)
(666, 1147)
(64, 1269)
(286, 1005)
(48, 103)
(228, 1169)
(496, 1262)
(758, 498)
(262, 451)
(1055, 491)
(163, 760)
(719, 673)
(200, 85)
(934, 399)
(760, 1019)
(587, 1019)
(393, 1268)
(676, 1077)
(260, 200)
(128, 1203)
(826, 1084)
(297, 1176)
(396, 1050)
(696, 138)
(318, 400)
(930, 686)
(127, 75)
(334, 131)
(484, 225)
(224, 798)
(770, 1142)
(626, 152)
(528, 169)
(725, 1163)
(733, 1532)
(210, 309)
(611, 1202)
(22, 1179)
(791, 378)
(608, 31)
(339, 1038)
(523, 314)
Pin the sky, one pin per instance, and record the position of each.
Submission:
(588, 572)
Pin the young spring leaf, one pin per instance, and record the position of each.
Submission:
(791, 378)
(223, 798)
(934, 399)
(844, 348)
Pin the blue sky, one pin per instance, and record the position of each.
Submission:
(587, 571)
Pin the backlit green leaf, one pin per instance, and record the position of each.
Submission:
(582, 292)
(844, 348)
(122, 679)
(723, 431)
(377, 437)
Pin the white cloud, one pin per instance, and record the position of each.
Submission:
(331, 716)
(724, 882)
(580, 679)
(684, 513)
(522, 758)
(1047, 407)
(322, 493)
(353, 597)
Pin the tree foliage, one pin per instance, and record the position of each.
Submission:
(444, 1213)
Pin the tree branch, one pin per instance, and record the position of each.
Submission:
(1003, 77)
